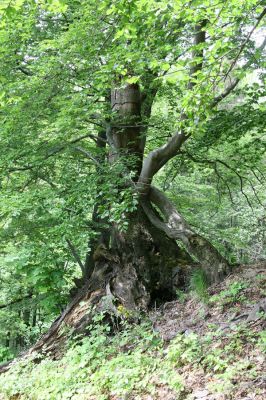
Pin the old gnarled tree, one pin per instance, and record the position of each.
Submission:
(121, 56)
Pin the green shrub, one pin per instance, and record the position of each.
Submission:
(100, 365)
(231, 295)
(184, 349)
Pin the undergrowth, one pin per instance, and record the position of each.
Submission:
(97, 366)
(135, 362)
(130, 364)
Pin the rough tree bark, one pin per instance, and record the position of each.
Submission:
(142, 267)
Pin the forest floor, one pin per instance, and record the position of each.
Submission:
(202, 346)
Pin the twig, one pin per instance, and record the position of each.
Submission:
(75, 255)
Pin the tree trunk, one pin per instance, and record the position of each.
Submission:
(133, 270)
(144, 267)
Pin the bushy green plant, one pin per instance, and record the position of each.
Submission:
(262, 341)
(133, 363)
(231, 295)
(6, 354)
(184, 349)
(98, 365)
(227, 375)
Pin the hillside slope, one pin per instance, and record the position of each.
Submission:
(205, 345)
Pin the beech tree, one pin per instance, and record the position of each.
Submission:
(80, 85)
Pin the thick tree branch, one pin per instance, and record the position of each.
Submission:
(156, 159)
(175, 227)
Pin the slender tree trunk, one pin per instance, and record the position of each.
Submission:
(98, 223)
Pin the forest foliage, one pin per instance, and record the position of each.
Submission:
(59, 60)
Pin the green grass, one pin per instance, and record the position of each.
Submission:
(198, 284)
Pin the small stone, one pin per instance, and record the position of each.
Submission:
(200, 394)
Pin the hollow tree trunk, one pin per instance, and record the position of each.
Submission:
(143, 267)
